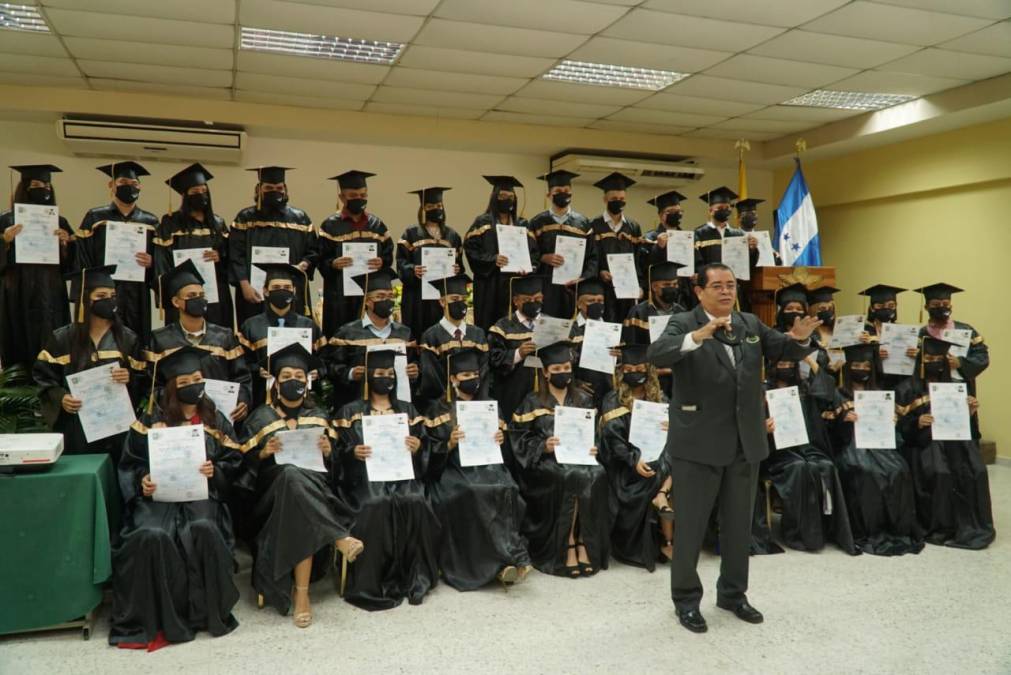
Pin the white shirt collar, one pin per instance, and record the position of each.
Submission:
(450, 328)
(610, 221)
(563, 217)
(580, 319)
(721, 230)
(521, 317)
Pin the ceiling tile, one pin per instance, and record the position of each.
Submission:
(994, 40)
(222, 93)
(37, 44)
(638, 127)
(415, 7)
(309, 68)
(896, 83)
(537, 106)
(785, 13)
(435, 98)
(38, 65)
(140, 72)
(642, 25)
(301, 87)
(498, 39)
(200, 11)
(779, 71)
(422, 111)
(732, 135)
(706, 86)
(34, 80)
(771, 126)
(691, 104)
(293, 16)
(582, 93)
(986, 9)
(946, 63)
(665, 117)
(584, 18)
(161, 31)
(647, 55)
(481, 63)
(790, 113)
(141, 52)
(547, 120)
(431, 79)
(836, 50)
(301, 101)
(894, 24)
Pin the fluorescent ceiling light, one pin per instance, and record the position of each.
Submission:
(607, 75)
(21, 17)
(320, 46)
(848, 100)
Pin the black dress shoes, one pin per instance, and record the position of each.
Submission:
(693, 620)
(742, 610)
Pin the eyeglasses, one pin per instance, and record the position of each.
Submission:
(719, 288)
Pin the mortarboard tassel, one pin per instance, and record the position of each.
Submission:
(161, 299)
(449, 386)
(365, 377)
(154, 379)
(80, 300)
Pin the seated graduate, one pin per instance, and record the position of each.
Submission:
(279, 298)
(96, 337)
(877, 482)
(569, 516)
(298, 519)
(821, 305)
(173, 563)
(479, 507)
(511, 340)
(393, 516)
(223, 359)
(951, 482)
(805, 477)
(882, 308)
(376, 326)
(641, 489)
(589, 305)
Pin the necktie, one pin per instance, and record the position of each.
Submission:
(458, 334)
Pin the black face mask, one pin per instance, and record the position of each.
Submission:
(722, 215)
(668, 295)
(274, 199)
(787, 318)
(196, 306)
(382, 308)
(292, 390)
(457, 310)
(883, 315)
(934, 369)
(673, 219)
(615, 206)
(826, 316)
(469, 387)
(634, 379)
(280, 298)
(595, 310)
(531, 309)
(382, 385)
(561, 199)
(748, 221)
(40, 195)
(504, 205)
(560, 380)
(787, 375)
(197, 201)
(105, 308)
(356, 206)
(939, 313)
(860, 375)
(435, 215)
(127, 194)
(191, 393)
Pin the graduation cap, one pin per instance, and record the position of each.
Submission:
(939, 291)
(193, 175)
(748, 204)
(663, 271)
(42, 172)
(131, 170)
(721, 195)
(380, 280)
(553, 354)
(270, 174)
(881, 293)
(352, 180)
(464, 361)
(633, 355)
(558, 178)
(614, 181)
(588, 286)
(503, 182)
(430, 195)
(380, 359)
(792, 293)
(860, 352)
(292, 356)
(171, 282)
(530, 284)
(89, 279)
(671, 198)
(183, 361)
(455, 285)
(821, 294)
(933, 346)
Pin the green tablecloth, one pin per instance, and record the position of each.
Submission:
(54, 541)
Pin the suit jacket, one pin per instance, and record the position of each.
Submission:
(715, 406)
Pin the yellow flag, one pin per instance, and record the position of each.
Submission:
(742, 177)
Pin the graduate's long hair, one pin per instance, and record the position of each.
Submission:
(20, 195)
(81, 346)
(847, 378)
(258, 198)
(308, 402)
(172, 408)
(654, 392)
(543, 391)
(443, 227)
(208, 213)
(493, 202)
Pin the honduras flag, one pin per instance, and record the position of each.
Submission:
(796, 232)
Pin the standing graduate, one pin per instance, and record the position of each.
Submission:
(33, 299)
(561, 220)
(877, 482)
(644, 526)
(393, 516)
(654, 243)
(590, 294)
(479, 507)
(569, 513)
(351, 224)
(96, 337)
(747, 219)
(297, 518)
(821, 305)
(491, 284)
(882, 308)
(134, 297)
(194, 225)
(173, 563)
(510, 341)
(431, 230)
(613, 233)
(272, 222)
(952, 486)
(710, 235)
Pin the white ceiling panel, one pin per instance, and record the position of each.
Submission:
(638, 127)
(355, 23)
(894, 24)
(582, 93)
(38, 65)
(946, 63)
(43, 80)
(644, 25)
(312, 69)
(435, 98)
(319, 88)
(161, 31)
(140, 52)
(792, 113)
(705, 86)
(36, 44)
(218, 93)
(139, 72)
(422, 111)
(432, 79)
(835, 50)
(732, 135)
(497, 39)
(896, 83)
(480, 63)
(547, 120)
(584, 18)
(994, 40)
(201, 11)
(647, 55)
(415, 7)
(985, 9)
(785, 13)
(537, 106)
(301, 101)
(665, 117)
(779, 71)
(771, 126)
(703, 106)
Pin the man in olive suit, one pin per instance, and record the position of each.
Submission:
(717, 433)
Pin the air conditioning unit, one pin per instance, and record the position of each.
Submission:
(95, 137)
(647, 170)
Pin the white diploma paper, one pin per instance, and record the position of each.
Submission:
(479, 422)
(573, 251)
(105, 406)
(949, 406)
(897, 338)
(279, 337)
(547, 331)
(574, 428)
(205, 267)
(657, 325)
(681, 249)
(37, 244)
(786, 413)
(265, 255)
(623, 275)
(875, 425)
(299, 447)
(962, 339)
(599, 338)
(645, 431)
(438, 263)
(225, 395)
(123, 241)
(765, 255)
(360, 254)
(735, 256)
(174, 457)
(512, 243)
(399, 367)
(846, 331)
(390, 459)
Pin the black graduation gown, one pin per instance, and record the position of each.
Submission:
(552, 490)
(878, 487)
(347, 351)
(709, 243)
(33, 299)
(950, 479)
(336, 230)
(294, 513)
(593, 382)
(178, 231)
(54, 365)
(655, 255)
(558, 299)
(435, 346)
(970, 366)
(628, 239)
(420, 314)
(635, 329)
(479, 507)
(132, 297)
(253, 338)
(286, 227)
(636, 537)
(173, 563)
(491, 286)
(513, 381)
(395, 519)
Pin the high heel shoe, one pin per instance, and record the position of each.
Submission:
(508, 576)
(574, 571)
(301, 619)
(352, 549)
(586, 569)
(664, 511)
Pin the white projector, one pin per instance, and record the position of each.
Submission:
(30, 450)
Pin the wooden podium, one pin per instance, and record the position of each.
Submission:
(765, 281)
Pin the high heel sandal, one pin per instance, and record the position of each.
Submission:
(670, 545)
(574, 570)
(356, 549)
(664, 511)
(508, 576)
(586, 569)
(301, 619)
